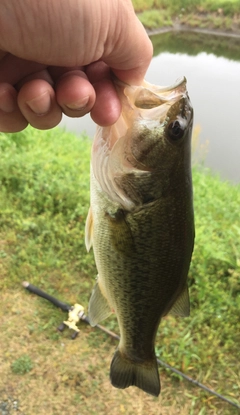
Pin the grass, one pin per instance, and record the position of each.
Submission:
(44, 198)
(207, 21)
(228, 7)
(153, 19)
(206, 14)
(22, 365)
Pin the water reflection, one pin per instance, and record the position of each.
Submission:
(194, 43)
(214, 89)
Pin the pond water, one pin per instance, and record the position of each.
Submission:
(211, 65)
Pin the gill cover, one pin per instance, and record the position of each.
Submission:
(144, 108)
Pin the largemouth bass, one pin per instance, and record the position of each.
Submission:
(140, 223)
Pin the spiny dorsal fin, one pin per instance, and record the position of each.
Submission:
(98, 308)
(181, 307)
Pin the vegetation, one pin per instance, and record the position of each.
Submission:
(228, 7)
(210, 14)
(152, 20)
(44, 198)
(22, 365)
(193, 43)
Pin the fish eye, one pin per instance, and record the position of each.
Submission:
(175, 130)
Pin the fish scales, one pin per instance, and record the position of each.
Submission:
(140, 224)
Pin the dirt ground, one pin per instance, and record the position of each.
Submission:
(72, 376)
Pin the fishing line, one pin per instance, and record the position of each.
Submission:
(66, 307)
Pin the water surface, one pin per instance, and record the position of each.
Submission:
(212, 69)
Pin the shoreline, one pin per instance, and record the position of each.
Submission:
(178, 27)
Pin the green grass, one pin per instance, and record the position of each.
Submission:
(44, 199)
(207, 14)
(153, 19)
(44, 202)
(227, 6)
(22, 365)
(207, 21)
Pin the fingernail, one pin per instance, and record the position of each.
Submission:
(40, 105)
(79, 105)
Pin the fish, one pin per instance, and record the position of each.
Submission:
(140, 223)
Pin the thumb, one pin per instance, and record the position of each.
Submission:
(132, 52)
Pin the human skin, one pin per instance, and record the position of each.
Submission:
(56, 56)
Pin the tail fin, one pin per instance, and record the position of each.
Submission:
(124, 373)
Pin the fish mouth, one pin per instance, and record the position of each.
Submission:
(148, 96)
(179, 84)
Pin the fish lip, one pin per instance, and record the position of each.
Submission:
(158, 94)
(180, 82)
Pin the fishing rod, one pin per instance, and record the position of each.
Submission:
(76, 313)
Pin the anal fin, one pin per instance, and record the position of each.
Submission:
(181, 307)
(98, 308)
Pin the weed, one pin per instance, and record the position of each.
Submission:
(22, 365)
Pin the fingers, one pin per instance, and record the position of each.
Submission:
(37, 103)
(75, 94)
(11, 118)
(34, 104)
(79, 92)
(44, 95)
(20, 75)
(42, 106)
(107, 107)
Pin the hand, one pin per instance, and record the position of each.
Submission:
(57, 55)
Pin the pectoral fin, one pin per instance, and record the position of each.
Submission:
(89, 230)
(181, 307)
(98, 308)
(120, 233)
